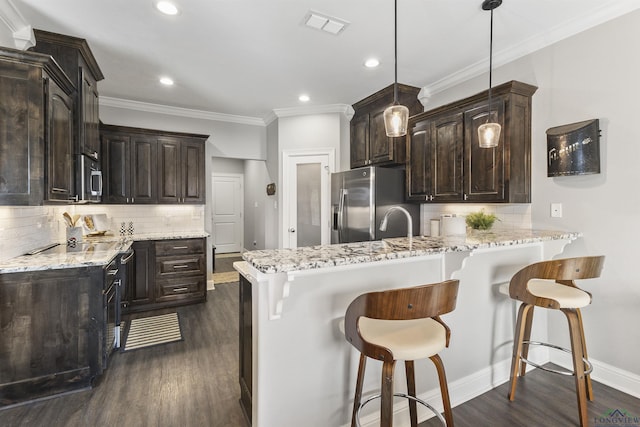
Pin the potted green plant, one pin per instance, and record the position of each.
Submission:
(480, 220)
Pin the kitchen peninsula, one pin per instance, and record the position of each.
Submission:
(296, 368)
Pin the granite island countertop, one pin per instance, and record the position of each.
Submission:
(93, 251)
(322, 256)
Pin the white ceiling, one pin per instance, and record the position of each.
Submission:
(246, 58)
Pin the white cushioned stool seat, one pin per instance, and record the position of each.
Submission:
(407, 339)
(566, 296)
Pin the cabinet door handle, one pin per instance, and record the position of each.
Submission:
(180, 247)
(112, 272)
(181, 266)
(465, 196)
(180, 289)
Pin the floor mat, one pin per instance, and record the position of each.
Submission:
(155, 330)
(224, 271)
(226, 277)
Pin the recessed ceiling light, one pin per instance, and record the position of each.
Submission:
(167, 7)
(371, 63)
(304, 98)
(167, 81)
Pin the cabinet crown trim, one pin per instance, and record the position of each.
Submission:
(154, 132)
(513, 86)
(73, 42)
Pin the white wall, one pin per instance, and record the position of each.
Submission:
(258, 206)
(6, 36)
(319, 131)
(591, 75)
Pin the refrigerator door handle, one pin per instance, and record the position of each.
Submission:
(343, 196)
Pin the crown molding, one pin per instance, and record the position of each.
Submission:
(147, 107)
(345, 109)
(22, 32)
(178, 111)
(579, 24)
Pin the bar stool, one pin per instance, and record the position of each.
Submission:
(550, 284)
(401, 324)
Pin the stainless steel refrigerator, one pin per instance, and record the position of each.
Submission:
(359, 199)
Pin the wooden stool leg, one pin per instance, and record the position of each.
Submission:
(358, 397)
(578, 363)
(587, 377)
(411, 391)
(526, 337)
(517, 347)
(444, 389)
(386, 403)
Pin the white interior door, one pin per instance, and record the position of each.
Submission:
(306, 198)
(227, 212)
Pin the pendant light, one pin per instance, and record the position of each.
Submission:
(396, 117)
(489, 133)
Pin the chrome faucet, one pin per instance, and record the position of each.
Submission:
(385, 220)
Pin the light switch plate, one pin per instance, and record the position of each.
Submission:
(556, 210)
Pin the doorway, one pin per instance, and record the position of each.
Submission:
(227, 212)
(306, 199)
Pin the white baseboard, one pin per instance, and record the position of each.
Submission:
(624, 381)
(210, 285)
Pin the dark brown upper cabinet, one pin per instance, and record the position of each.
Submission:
(436, 148)
(181, 177)
(446, 164)
(59, 138)
(36, 135)
(76, 59)
(369, 142)
(129, 162)
(149, 166)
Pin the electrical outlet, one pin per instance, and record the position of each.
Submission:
(556, 210)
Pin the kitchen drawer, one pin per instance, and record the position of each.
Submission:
(180, 265)
(179, 247)
(186, 287)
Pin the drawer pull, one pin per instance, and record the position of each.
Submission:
(112, 272)
(180, 289)
(181, 266)
(180, 247)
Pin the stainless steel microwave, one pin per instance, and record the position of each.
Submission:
(89, 180)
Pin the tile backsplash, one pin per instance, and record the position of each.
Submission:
(510, 217)
(25, 228)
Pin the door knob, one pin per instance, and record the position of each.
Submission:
(292, 230)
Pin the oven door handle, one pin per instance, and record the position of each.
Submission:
(125, 260)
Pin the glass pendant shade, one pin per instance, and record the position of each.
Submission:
(489, 135)
(396, 119)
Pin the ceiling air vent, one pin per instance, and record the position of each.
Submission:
(325, 23)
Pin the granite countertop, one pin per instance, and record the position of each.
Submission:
(93, 251)
(313, 257)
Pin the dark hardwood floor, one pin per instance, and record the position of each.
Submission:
(189, 383)
(542, 399)
(194, 383)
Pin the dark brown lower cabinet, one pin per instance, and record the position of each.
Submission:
(245, 353)
(52, 330)
(168, 273)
